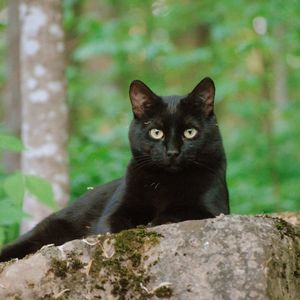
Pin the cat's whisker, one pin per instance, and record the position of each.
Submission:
(143, 159)
(137, 161)
(140, 163)
(142, 156)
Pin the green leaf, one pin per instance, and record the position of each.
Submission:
(42, 189)
(9, 142)
(10, 214)
(14, 188)
(2, 27)
(2, 236)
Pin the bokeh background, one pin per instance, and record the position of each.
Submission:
(250, 48)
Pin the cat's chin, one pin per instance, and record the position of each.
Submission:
(173, 168)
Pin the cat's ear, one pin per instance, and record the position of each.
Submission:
(141, 97)
(204, 95)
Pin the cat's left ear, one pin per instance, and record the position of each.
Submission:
(204, 95)
(142, 98)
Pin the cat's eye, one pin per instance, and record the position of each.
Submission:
(190, 133)
(156, 134)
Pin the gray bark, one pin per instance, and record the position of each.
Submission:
(44, 128)
(12, 99)
(229, 257)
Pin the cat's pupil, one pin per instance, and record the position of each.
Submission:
(190, 133)
(156, 134)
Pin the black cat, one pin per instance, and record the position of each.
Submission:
(177, 172)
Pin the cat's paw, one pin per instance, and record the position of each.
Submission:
(164, 220)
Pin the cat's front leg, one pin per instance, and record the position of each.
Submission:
(181, 214)
(114, 223)
(164, 219)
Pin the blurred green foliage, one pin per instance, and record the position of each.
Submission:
(250, 48)
(12, 190)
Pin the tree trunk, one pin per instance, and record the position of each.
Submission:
(44, 127)
(12, 99)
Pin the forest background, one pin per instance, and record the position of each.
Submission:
(250, 48)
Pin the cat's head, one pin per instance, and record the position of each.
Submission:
(173, 132)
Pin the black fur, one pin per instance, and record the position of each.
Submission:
(170, 179)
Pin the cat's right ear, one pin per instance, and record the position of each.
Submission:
(141, 97)
(203, 95)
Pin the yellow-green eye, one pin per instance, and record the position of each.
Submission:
(190, 133)
(156, 134)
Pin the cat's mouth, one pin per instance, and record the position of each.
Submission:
(172, 166)
(173, 169)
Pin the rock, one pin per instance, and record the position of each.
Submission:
(291, 217)
(229, 257)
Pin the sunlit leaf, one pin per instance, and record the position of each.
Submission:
(10, 214)
(14, 187)
(42, 189)
(2, 236)
(9, 142)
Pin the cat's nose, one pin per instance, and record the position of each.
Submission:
(172, 153)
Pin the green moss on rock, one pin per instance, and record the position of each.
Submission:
(116, 265)
(123, 269)
(59, 267)
(163, 292)
(284, 228)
